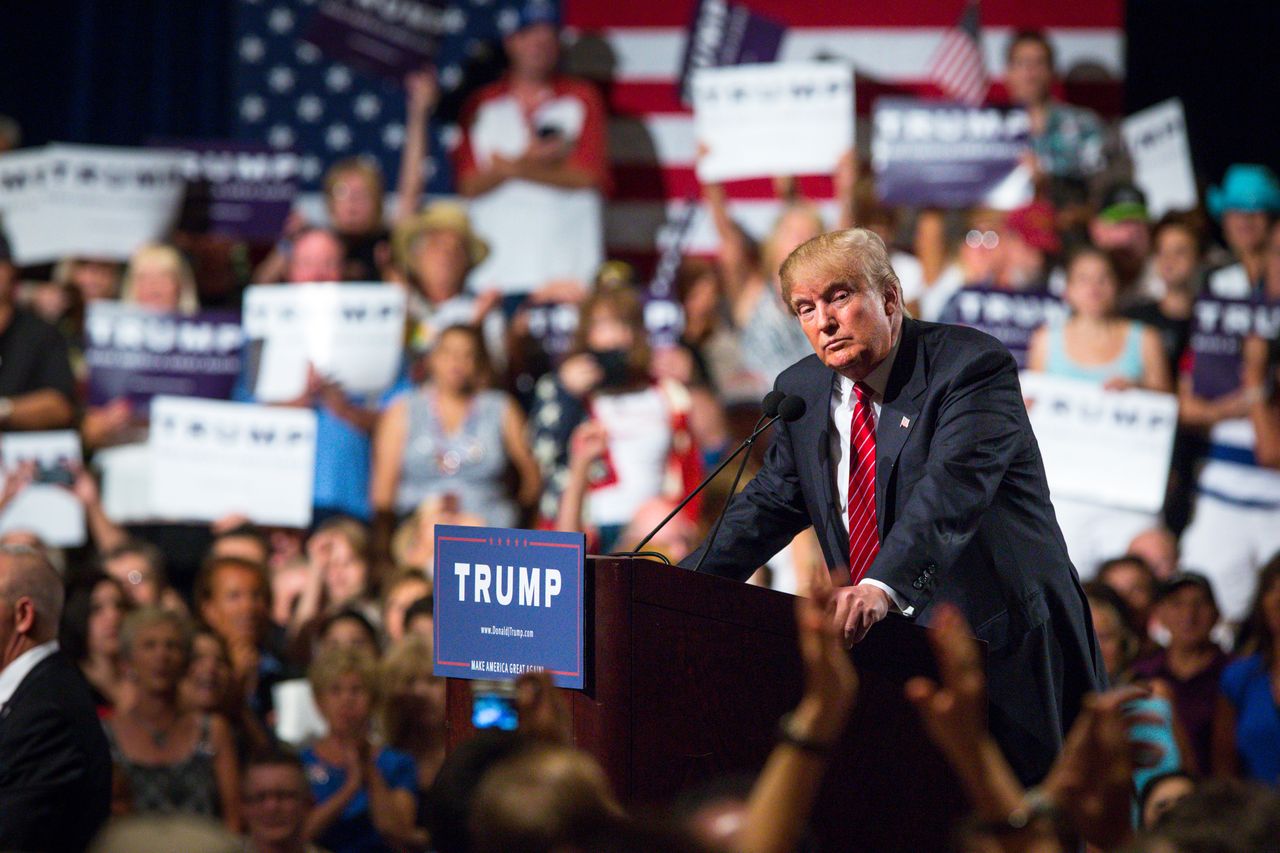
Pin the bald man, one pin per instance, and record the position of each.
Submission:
(55, 767)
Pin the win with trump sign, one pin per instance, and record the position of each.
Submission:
(509, 602)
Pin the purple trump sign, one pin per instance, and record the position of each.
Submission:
(136, 354)
(387, 38)
(723, 33)
(236, 189)
(938, 154)
(509, 602)
(1218, 330)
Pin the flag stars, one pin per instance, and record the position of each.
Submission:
(450, 76)
(310, 108)
(307, 53)
(338, 78)
(280, 79)
(252, 108)
(367, 106)
(280, 20)
(252, 49)
(280, 136)
(338, 137)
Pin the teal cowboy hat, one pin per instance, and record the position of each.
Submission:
(1246, 187)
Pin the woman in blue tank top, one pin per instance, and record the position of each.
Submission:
(1096, 344)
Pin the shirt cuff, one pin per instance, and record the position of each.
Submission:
(899, 605)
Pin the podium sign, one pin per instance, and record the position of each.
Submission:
(508, 602)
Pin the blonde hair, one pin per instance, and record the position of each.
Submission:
(146, 618)
(169, 260)
(360, 165)
(406, 660)
(768, 249)
(857, 256)
(335, 662)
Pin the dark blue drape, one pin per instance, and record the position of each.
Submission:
(117, 71)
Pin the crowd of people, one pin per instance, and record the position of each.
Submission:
(278, 681)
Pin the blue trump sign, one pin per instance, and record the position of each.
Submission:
(508, 602)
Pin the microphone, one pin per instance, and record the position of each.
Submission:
(789, 409)
(773, 406)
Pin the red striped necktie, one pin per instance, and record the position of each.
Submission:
(864, 532)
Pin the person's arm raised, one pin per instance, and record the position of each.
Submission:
(422, 94)
(783, 795)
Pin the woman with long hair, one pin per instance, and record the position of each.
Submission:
(90, 635)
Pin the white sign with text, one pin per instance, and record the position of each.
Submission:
(1110, 448)
(772, 119)
(1157, 141)
(210, 459)
(352, 334)
(88, 200)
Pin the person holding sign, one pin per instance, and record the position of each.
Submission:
(1099, 346)
(916, 465)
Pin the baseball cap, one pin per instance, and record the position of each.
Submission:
(529, 14)
(1123, 202)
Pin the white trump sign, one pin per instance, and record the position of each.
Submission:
(772, 119)
(1157, 141)
(352, 334)
(210, 459)
(88, 200)
(1110, 448)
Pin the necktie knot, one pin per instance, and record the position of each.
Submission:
(862, 392)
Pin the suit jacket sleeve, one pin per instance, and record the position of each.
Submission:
(43, 765)
(762, 518)
(981, 428)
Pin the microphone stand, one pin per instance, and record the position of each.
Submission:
(745, 445)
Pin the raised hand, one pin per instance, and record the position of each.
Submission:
(422, 92)
(830, 681)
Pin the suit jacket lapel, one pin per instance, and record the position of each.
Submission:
(838, 544)
(898, 413)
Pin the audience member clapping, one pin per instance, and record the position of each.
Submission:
(413, 701)
(365, 796)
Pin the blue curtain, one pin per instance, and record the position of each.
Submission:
(117, 72)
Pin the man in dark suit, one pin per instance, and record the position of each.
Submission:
(917, 467)
(55, 766)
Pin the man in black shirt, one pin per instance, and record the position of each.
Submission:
(36, 387)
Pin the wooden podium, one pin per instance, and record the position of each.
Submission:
(687, 675)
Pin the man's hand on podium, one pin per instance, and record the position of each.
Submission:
(854, 609)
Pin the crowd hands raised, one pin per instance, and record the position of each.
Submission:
(279, 680)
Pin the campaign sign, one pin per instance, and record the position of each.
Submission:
(1108, 448)
(723, 33)
(1157, 141)
(210, 459)
(351, 333)
(388, 38)
(1218, 330)
(87, 200)
(756, 121)
(932, 154)
(136, 354)
(240, 190)
(509, 602)
(1010, 317)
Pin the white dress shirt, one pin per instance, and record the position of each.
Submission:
(12, 676)
(843, 401)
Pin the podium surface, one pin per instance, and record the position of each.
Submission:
(687, 675)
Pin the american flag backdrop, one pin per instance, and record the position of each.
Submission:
(289, 95)
(956, 67)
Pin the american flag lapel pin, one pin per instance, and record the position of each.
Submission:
(906, 422)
